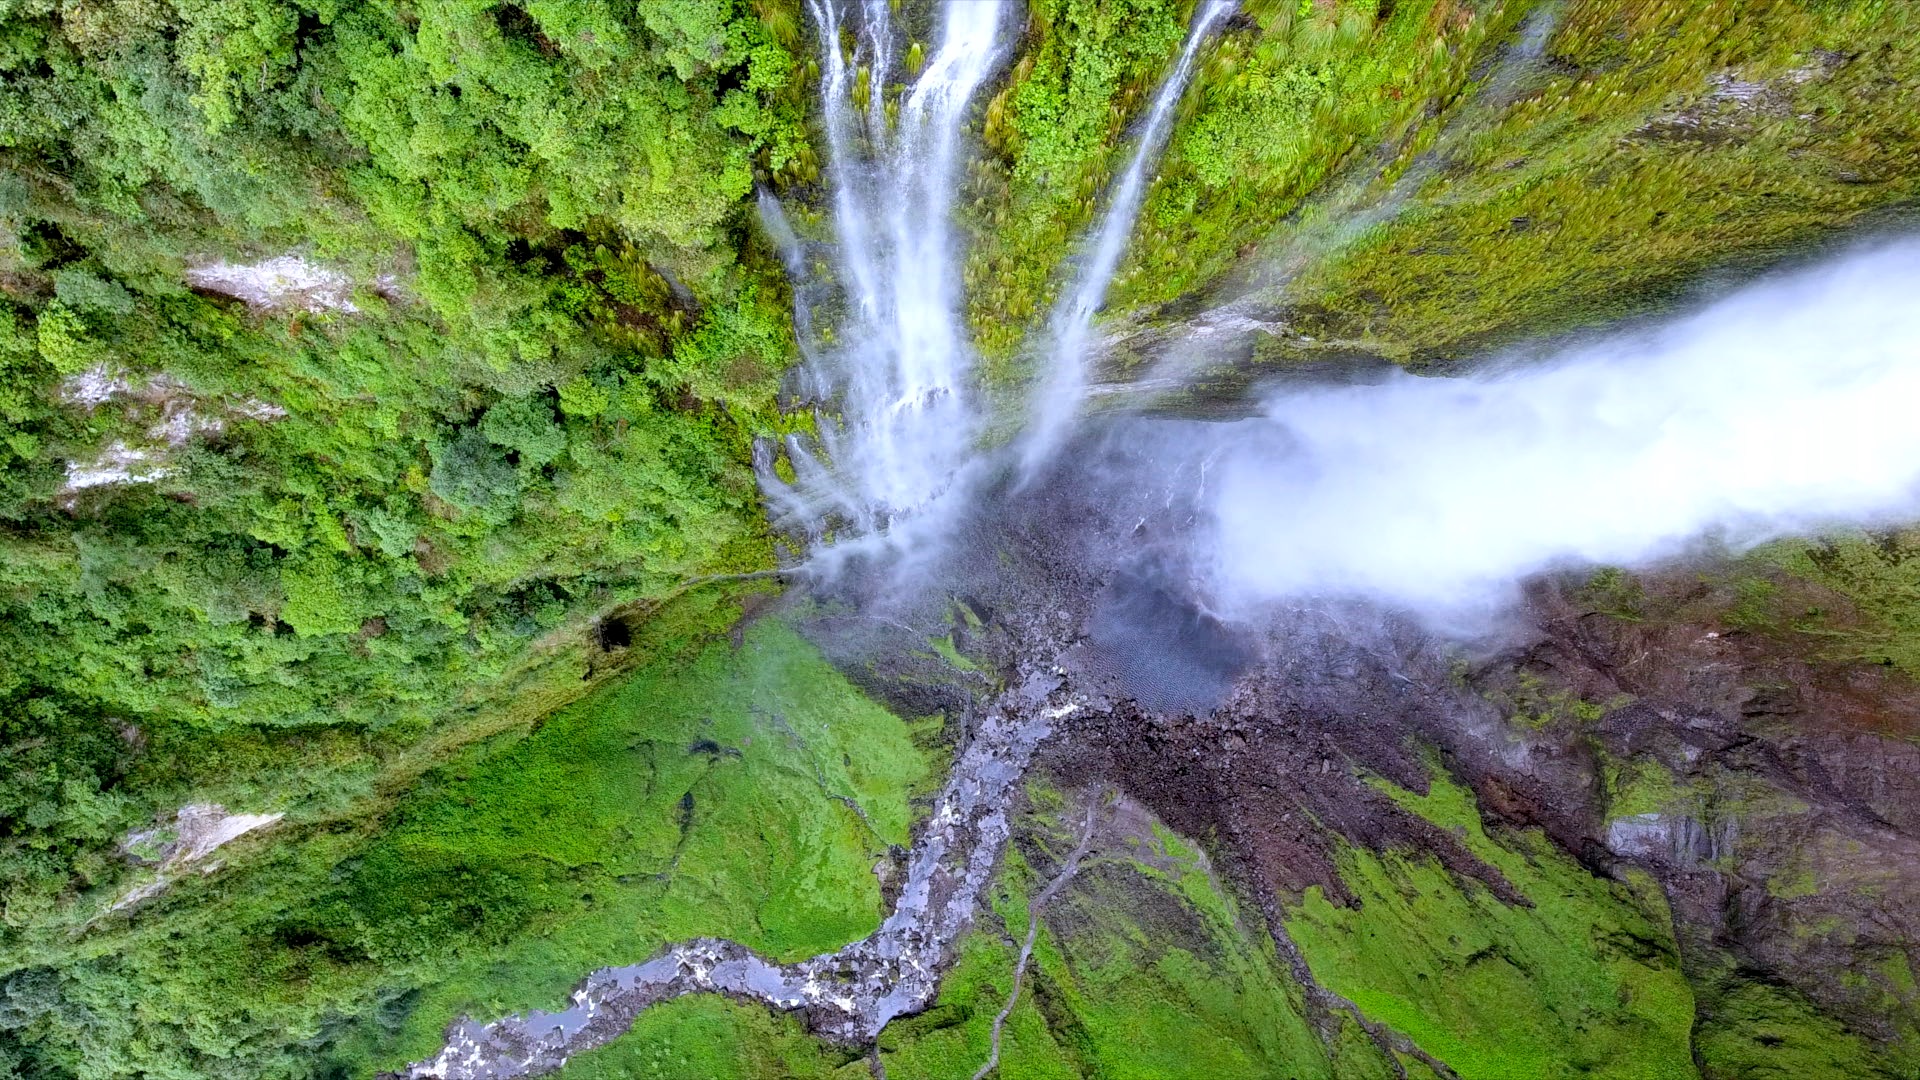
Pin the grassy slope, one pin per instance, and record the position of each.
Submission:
(1764, 1032)
(511, 872)
(1585, 982)
(1144, 967)
(715, 1039)
(1635, 156)
(1286, 97)
(1358, 157)
(1626, 171)
(746, 748)
(1285, 107)
(1868, 607)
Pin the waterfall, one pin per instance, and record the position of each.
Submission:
(1066, 380)
(898, 423)
(897, 451)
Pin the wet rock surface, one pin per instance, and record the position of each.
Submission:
(1781, 844)
(1783, 848)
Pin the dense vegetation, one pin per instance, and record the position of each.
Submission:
(369, 543)
(545, 416)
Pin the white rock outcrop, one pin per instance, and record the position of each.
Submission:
(197, 831)
(282, 282)
(173, 414)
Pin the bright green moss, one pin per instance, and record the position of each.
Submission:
(1759, 1031)
(1879, 576)
(945, 647)
(1532, 702)
(1644, 786)
(1144, 967)
(1585, 982)
(691, 800)
(714, 1038)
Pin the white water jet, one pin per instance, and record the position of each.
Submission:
(897, 452)
(1059, 398)
(1784, 409)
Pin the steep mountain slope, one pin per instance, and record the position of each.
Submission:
(383, 383)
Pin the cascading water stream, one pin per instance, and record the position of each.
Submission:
(1058, 401)
(1780, 410)
(895, 454)
(1327, 225)
(895, 459)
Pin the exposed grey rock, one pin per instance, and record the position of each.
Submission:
(174, 417)
(282, 282)
(197, 831)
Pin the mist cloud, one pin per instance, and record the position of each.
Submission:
(1789, 407)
